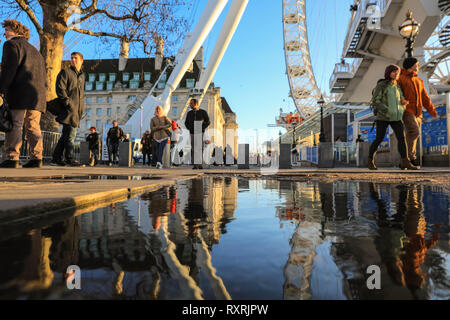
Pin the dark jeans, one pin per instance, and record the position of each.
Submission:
(146, 154)
(113, 151)
(160, 150)
(65, 144)
(399, 131)
(93, 156)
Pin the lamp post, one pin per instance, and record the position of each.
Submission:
(409, 29)
(321, 102)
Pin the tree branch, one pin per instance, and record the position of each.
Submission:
(23, 4)
(98, 34)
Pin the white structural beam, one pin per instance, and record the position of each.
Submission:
(185, 56)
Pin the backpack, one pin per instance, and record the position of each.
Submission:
(373, 105)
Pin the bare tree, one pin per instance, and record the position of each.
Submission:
(140, 22)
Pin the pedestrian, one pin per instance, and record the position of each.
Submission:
(389, 105)
(359, 139)
(192, 116)
(94, 146)
(414, 91)
(70, 92)
(113, 138)
(146, 142)
(22, 85)
(175, 142)
(160, 125)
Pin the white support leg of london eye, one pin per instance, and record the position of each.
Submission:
(185, 56)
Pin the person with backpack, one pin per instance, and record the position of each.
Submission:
(146, 142)
(94, 146)
(160, 125)
(113, 138)
(388, 105)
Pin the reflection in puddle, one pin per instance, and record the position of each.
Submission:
(232, 238)
(86, 178)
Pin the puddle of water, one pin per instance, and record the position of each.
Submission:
(219, 238)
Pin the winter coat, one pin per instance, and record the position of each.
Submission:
(94, 142)
(146, 142)
(415, 93)
(165, 123)
(70, 91)
(197, 115)
(115, 134)
(387, 99)
(22, 76)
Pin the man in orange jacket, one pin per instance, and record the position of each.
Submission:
(417, 97)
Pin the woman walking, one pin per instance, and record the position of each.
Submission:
(389, 105)
(160, 125)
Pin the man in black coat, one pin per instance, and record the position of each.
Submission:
(113, 137)
(200, 115)
(22, 84)
(94, 146)
(70, 91)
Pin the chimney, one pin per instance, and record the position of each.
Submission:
(199, 58)
(124, 50)
(159, 54)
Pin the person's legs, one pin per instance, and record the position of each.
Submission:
(34, 135)
(13, 139)
(70, 134)
(399, 132)
(161, 147)
(381, 132)
(412, 132)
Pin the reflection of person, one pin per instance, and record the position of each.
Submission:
(359, 139)
(113, 138)
(22, 82)
(418, 98)
(402, 243)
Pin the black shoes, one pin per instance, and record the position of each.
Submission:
(371, 164)
(10, 164)
(415, 162)
(58, 163)
(35, 163)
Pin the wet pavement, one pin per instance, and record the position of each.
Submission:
(239, 238)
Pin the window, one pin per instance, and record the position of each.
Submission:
(89, 100)
(109, 111)
(190, 83)
(118, 110)
(109, 85)
(136, 76)
(99, 85)
(98, 124)
(125, 76)
(88, 124)
(174, 98)
(88, 112)
(147, 76)
(102, 77)
(174, 111)
(98, 111)
(161, 85)
(134, 84)
(99, 99)
(91, 77)
(109, 99)
(164, 77)
(112, 77)
(89, 86)
(131, 98)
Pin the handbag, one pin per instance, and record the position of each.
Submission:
(6, 123)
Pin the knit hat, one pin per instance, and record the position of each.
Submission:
(409, 62)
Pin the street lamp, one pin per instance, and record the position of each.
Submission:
(409, 30)
(321, 102)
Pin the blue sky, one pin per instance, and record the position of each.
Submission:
(252, 73)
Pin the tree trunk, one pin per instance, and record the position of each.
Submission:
(52, 41)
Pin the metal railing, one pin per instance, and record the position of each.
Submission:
(50, 139)
(340, 68)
